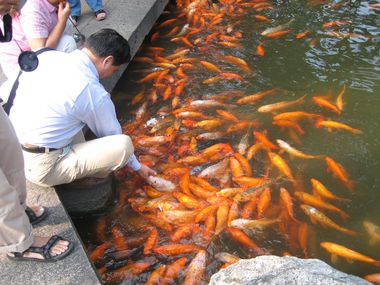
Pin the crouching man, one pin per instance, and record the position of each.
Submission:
(54, 102)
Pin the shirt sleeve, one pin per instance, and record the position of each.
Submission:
(95, 108)
(33, 22)
(134, 163)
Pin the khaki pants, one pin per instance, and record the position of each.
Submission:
(15, 228)
(95, 158)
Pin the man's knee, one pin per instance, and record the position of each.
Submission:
(126, 145)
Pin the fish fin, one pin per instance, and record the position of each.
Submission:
(373, 241)
(334, 258)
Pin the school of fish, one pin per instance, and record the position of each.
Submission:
(224, 178)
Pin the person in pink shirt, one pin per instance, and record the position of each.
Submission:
(40, 23)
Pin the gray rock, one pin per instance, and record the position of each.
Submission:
(283, 270)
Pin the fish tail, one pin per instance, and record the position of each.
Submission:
(376, 263)
(357, 131)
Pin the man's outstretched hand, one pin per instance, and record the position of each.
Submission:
(146, 171)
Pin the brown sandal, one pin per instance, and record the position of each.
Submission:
(100, 15)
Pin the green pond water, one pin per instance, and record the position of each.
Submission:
(320, 64)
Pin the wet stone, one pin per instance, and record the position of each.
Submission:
(270, 270)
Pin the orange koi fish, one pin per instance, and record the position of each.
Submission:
(339, 250)
(251, 99)
(261, 18)
(175, 249)
(173, 269)
(338, 171)
(128, 271)
(221, 218)
(151, 241)
(373, 278)
(281, 105)
(244, 164)
(98, 252)
(322, 102)
(278, 34)
(244, 224)
(261, 138)
(280, 163)
(210, 66)
(304, 237)
(156, 276)
(322, 191)
(337, 125)
(233, 213)
(184, 231)
(150, 77)
(227, 115)
(193, 160)
(215, 170)
(288, 203)
(239, 62)
(196, 269)
(200, 192)
(209, 230)
(318, 203)
(373, 231)
(204, 213)
(159, 223)
(236, 168)
(248, 209)
(295, 116)
(178, 54)
(227, 257)
(240, 126)
(231, 75)
(335, 23)
(178, 216)
(220, 148)
(289, 124)
(229, 192)
(263, 202)
(245, 240)
(316, 216)
(302, 35)
(188, 201)
(292, 151)
(254, 149)
(119, 239)
(204, 184)
(277, 29)
(247, 182)
(260, 51)
(339, 99)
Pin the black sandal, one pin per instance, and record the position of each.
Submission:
(44, 251)
(32, 216)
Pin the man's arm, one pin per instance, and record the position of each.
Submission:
(7, 5)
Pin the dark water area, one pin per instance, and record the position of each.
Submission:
(329, 59)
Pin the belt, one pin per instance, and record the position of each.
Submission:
(37, 149)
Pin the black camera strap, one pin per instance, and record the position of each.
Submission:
(8, 105)
(7, 36)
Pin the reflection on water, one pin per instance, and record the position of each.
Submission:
(320, 64)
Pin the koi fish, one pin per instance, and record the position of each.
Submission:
(335, 23)
(281, 105)
(175, 249)
(210, 66)
(245, 240)
(263, 202)
(322, 102)
(316, 216)
(287, 201)
(238, 62)
(227, 257)
(302, 35)
(337, 125)
(221, 218)
(339, 250)
(260, 137)
(295, 116)
(196, 269)
(292, 151)
(280, 163)
(244, 164)
(338, 171)
(207, 104)
(151, 241)
(252, 99)
(321, 190)
(318, 203)
(373, 278)
(161, 184)
(173, 269)
(210, 136)
(278, 34)
(373, 231)
(339, 99)
(277, 28)
(184, 231)
(188, 201)
(156, 276)
(244, 224)
(260, 51)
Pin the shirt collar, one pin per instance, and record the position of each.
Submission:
(51, 8)
(87, 61)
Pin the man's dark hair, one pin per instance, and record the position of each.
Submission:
(108, 42)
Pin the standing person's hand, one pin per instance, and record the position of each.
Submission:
(63, 11)
(146, 171)
(7, 5)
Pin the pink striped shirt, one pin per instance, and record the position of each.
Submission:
(38, 18)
